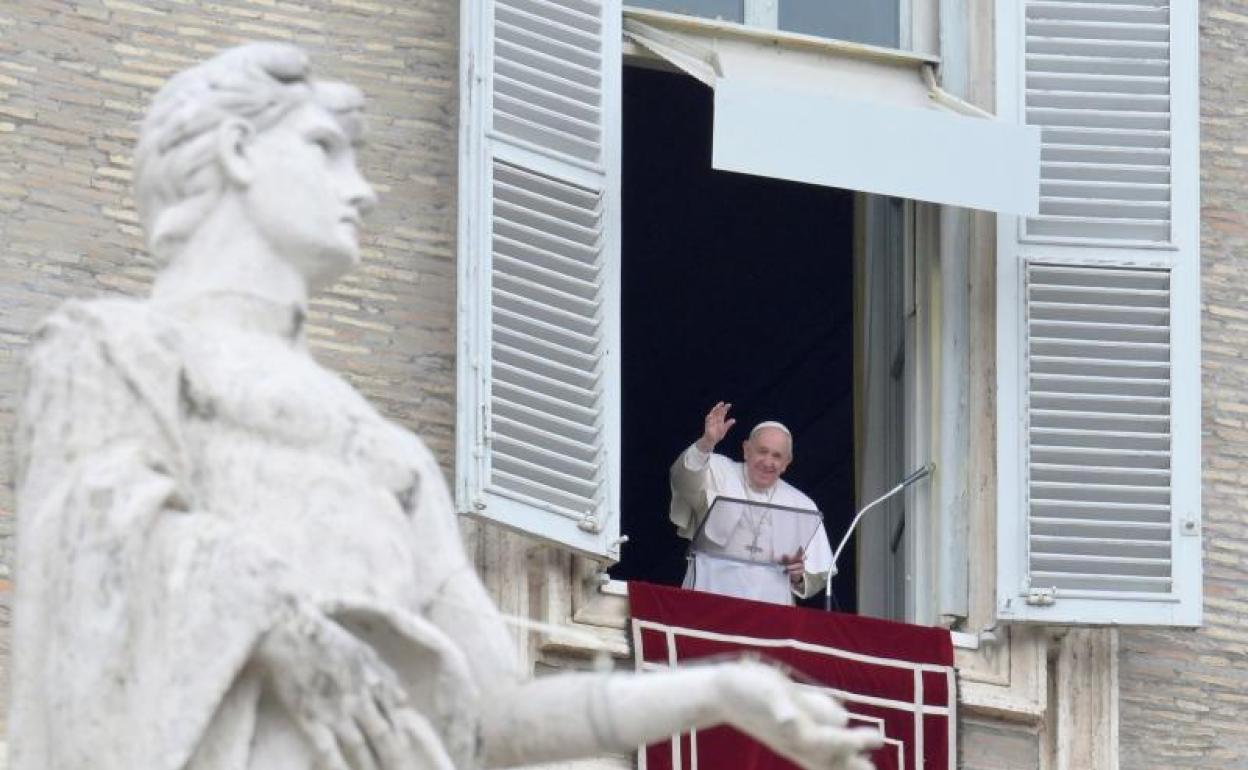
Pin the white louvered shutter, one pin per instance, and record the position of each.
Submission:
(1098, 318)
(538, 400)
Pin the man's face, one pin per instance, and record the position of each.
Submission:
(307, 196)
(767, 456)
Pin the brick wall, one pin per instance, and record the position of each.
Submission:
(75, 76)
(1184, 694)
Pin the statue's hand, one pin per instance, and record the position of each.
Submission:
(801, 723)
(344, 699)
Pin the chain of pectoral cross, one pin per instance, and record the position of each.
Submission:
(755, 525)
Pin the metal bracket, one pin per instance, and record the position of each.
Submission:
(1042, 597)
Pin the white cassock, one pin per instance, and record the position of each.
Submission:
(697, 479)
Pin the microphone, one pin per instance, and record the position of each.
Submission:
(921, 473)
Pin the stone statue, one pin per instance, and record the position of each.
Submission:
(227, 560)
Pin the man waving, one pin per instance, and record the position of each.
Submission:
(699, 476)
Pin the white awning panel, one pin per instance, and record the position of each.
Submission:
(845, 115)
(928, 155)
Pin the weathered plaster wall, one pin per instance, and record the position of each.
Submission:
(75, 76)
(1184, 694)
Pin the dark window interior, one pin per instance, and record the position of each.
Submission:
(737, 288)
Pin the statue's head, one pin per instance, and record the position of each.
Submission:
(251, 123)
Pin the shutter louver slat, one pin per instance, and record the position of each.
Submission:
(1130, 11)
(531, 301)
(577, 113)
(527, 461)
(1109, 136)
(1088, 229)
(1105, 189)
(1100, 456)
(542, 348)
(519, 249)
(540, 81)
(1130, 513)
(1106, 209)
(1110, 566)
(561, 301)
(584, 453)
(1082, 330)
(1097, 83)
(541, 496)
(1099, 465)
(546, 367)
(1089, 172)
(554, 281)
(531, 379)
(518, 321)
(1103, 584)
(1073, 63)
(576, 36)
(551, 423)
(1140, 532)
(581, 63)
(1099, 545)
(1077, 82)
(544, 404)
(560, 224)
(1078, 437)
(518, 440)
(1114, 156)
(572, 14)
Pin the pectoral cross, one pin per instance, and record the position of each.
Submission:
(756, 528)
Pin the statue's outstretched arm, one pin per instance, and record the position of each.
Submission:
(571, 716)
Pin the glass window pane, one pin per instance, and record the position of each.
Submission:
(724, 10)
(861, 21)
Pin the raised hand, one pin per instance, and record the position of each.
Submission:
(715, 426)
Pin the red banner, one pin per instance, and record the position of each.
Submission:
(893, 676)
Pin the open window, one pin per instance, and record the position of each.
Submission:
(545, 411)
(789, 300)
(735, 287)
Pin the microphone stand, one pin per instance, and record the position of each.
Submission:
(921, 473)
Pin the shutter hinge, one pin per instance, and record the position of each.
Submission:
(1041, 597)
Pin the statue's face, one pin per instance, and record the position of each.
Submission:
(306, 196)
